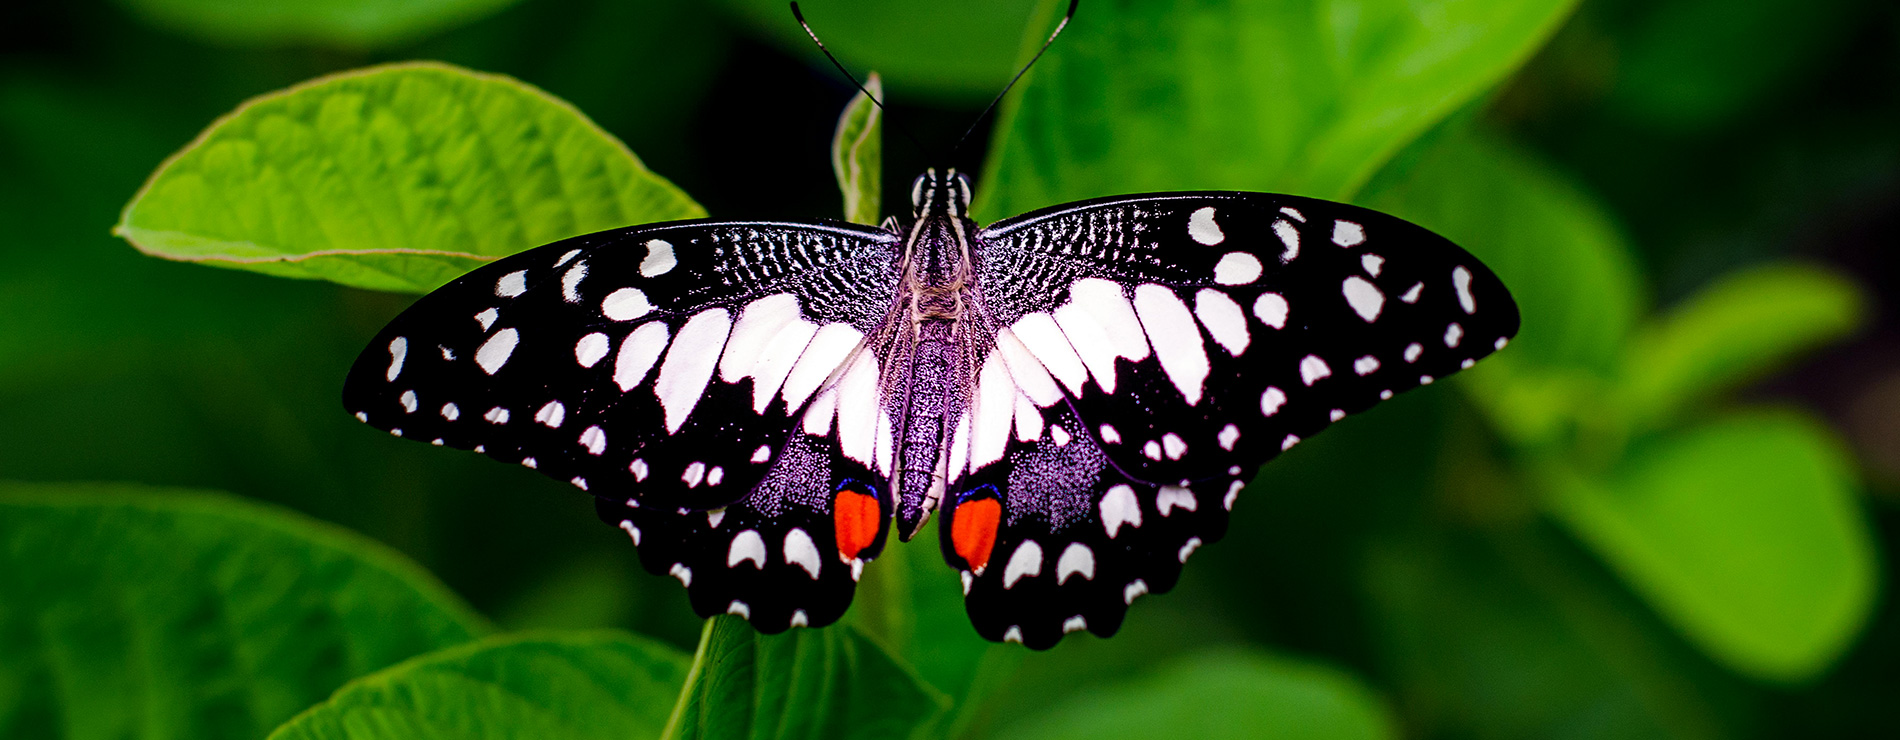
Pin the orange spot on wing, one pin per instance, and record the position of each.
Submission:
(856, 516)
(973, 530)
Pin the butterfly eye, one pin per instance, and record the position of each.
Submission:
(917, 189)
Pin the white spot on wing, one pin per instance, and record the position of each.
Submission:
(398, 351)
(694, 475)
(451, 412)
(1454, 333)
(995, 408)
(1289, 237)
(625, 304)
(1312, 369)
(659, 259)
(1025, 562)
(1233, 492)
(496, 415)
(1188, 548)
(829, 347)
(1413, 350)
(1177, 341)
(590, 349)
(1348, 234)
(1228, 436)
(1060, 435)
(1201, 226)
(1364, 297)
(1119, 506)
(762, 454)
(638, 353)
(1271, 309)
(1271, 400)
(1335, 415)
(551, 414)
(1173, 445)
(683, 573)
(1372, 263)
(570, 254)
(571, 282)
(1110, 436)
(1074, 624)
(1461, 280)
(1237, 268)
(639, 469)
(595, 440)
(746, 546)
(1134, 588)
(1411, 294)
(1077, 560)
(408, 401)
(1223, 318)
(1152, 450)
(1040, 335)
(1287, 444)
(802, 552)
(632, 531)
(689, 365)
(1365, 365)
(512, 284)
(487, 318)
(739, 609)
(1173, 497)
(495, 352)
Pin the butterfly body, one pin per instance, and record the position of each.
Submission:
(1078, 394)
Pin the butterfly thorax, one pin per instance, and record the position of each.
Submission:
(934, 293)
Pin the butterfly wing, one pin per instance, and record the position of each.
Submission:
(1156, 350)
(679, 367)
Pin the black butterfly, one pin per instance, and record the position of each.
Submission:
(1081, 391)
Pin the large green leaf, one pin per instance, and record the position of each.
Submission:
(1554, 245)
(1510, 633)
(1215, 695)
(857, 155)
(339, 22)
(912, 605)
(132, 612)
(827, 683)
(576, 686)
(399, 177)
(1744, 533)
(1297, 96)
(1733, 331)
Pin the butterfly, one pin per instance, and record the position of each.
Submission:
(1079, 393)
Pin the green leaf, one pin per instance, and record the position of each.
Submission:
(135, 612)
(913, 607)
(605, 685)
(399, 177)
(348, 23)
(1744, 325)
(1515, 633)
(857, 155)
(1745, 533)
(962, 52)
(1300, 96)
(1557, 250)
(1556, 247)
(1226, 694)
(805, 683)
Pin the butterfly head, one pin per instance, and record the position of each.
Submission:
(940, 194)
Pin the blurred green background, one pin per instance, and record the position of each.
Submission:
(1671, 514)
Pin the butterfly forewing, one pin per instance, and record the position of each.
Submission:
(669, 366)
(1159, 349)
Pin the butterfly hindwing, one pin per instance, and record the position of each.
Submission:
(789, 554)
(666, 362)
(1185, 338)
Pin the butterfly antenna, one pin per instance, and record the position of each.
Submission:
(854, 80)
(1066, 17)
